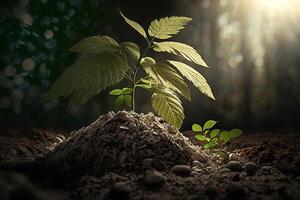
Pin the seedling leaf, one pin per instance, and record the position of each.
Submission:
(182, 49)
(214, 133)
(87, 77)
(132, 49)
(196, 128)
(195, 77)
(136, 26)
(168, 77)
(201, 137)
(95, 45)
(116, 92)
(166, 104)
(126, 91)
(119, 101)
(165, 27)
(209, 124)
(127, 100)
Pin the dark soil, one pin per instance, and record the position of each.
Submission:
(132, 156)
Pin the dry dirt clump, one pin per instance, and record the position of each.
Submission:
(121, 143)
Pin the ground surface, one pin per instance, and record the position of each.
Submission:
(130, 156)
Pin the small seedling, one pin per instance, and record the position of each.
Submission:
(214, 139)
(105, 62)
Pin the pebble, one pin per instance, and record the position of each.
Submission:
(120, 190)
(266, 170)
(234, 166)
(225, 170)
(154, 179)
(181, 170)
(232, 156)
(196, 163)
(250, 168)
(194, 173)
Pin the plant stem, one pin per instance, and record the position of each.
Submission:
(134, 76)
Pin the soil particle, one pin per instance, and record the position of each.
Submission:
(234, 166)
(181, 170)
(120, 190)
(153, 179)
(250, 168)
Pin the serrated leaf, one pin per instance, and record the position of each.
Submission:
(135, 25)
(87, 77)
(119, 101)
(201, 137)
(116, 92)
(181, 49)
(209, 124)
(214, 133)
(195, 77)
(168, 77)
(132, 49)
(95, 45)
(165, 27)
(127, 100)
(166, 104)
(196, 128)
(126, 91)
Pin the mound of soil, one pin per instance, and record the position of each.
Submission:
(121, 143)
(135, 156)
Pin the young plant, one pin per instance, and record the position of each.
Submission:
(105, 62)
(214, 139)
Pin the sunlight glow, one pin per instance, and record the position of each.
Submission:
(274, 5)
(279, 7)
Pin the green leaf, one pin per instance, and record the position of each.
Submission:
(168, 77)
(196, 128)
(95, 45)
(224, 136)
(135, 25)
(126, 91)
(127, 100)
(212, 144)
(164, 28)
(214, 133)
(145, 86)
(235, 133)
(119, 101)
(201, 137)
(132, 49)
(147, 62)
(116, 92)
(166, 104)
(209, 124)
(181, 49)
(87, 77)
(195, 77)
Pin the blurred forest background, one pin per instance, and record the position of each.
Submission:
(252, 48)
